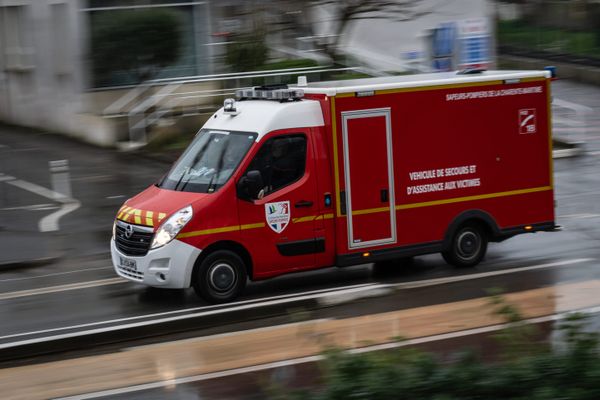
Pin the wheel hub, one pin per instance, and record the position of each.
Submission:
(468, 244)
(222, 277)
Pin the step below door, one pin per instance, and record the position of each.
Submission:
(369, 177)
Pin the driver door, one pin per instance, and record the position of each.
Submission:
(278, 223)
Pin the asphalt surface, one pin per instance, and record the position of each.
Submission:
(76, 285)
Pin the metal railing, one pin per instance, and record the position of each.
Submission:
(144, 108)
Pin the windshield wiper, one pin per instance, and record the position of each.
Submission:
(210, 189)
(179, 181)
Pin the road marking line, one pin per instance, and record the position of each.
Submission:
(37, 189)
(181, 317)
(49, 222)
(451, 279)
(33, 207)
(53, 274)
(61, 288)
(572, 105)
(187, 310)
(170, 316)
(315, 358)
(579, 216)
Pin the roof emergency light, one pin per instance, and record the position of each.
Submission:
(280, 93)
(229, 107)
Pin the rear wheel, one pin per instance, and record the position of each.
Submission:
(468, 246)
(220, 277)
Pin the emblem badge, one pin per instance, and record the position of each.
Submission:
(129, 231)
(278, 215)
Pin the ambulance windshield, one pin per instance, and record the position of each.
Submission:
(208, 162)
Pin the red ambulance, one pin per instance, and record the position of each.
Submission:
(343, 173)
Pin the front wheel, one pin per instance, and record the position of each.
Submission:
(468, 246)
(220, 277)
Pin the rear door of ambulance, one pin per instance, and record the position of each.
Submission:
(367, 190)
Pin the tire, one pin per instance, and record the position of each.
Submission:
(220, 277)
(468, 246)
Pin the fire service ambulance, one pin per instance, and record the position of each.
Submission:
(342, 173)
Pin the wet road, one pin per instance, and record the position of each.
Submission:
(81, 290)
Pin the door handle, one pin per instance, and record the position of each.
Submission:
(384, 196)
(303, 203)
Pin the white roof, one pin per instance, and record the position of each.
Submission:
(333, 88)
(264, 116)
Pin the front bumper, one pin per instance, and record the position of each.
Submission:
(169, 266)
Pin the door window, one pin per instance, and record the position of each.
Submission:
(281, 161)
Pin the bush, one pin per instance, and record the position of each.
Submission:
(569, 372)
(246, 52)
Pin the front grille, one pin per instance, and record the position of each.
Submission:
(131, 273)
(137, 244)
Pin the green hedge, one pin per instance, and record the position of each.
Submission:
(525, 368)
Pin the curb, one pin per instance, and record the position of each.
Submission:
(76, 339)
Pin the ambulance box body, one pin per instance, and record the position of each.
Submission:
(344, 173)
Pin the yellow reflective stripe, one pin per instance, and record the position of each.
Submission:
(137, 218)
(370, 211)
(538, 79)
(320, 217)
(253, 226)
(221, 230)
(324, 216)
(551, 161)
(161, 216)
(449, 201)
(336, 171)
(209, 231)
(129, 214)
(149, 215)
(304, 219)
(471, 198)
(438, 87)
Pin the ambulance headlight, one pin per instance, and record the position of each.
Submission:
(171, 227)
(114, 231)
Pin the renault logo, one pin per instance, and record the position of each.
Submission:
(129, 231)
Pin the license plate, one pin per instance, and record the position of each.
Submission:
(127, 263)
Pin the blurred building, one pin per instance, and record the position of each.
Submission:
(45, 75)
(47, 79)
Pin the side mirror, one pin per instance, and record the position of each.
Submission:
(250, 185)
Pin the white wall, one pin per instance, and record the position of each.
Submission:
(382, 43)
(42, 63)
